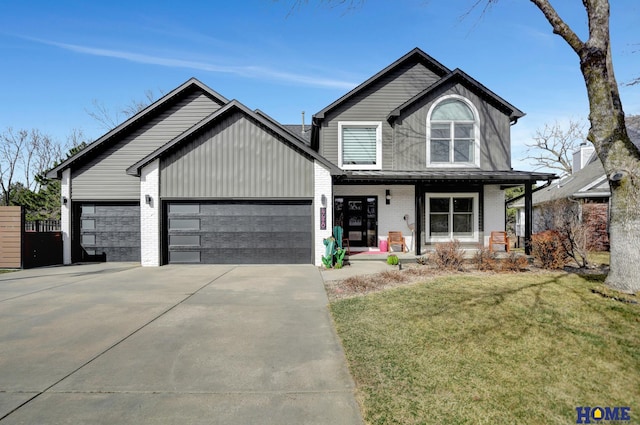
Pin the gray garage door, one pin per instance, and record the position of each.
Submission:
(108, 232)
(239, 233)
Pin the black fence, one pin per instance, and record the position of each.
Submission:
(42, 226)
(41, 249)
(41, 243)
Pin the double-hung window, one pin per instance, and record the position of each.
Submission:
(360, 145)
(452, 216)
(452, 134)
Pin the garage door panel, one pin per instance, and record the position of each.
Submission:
(241, 233)
(109, 232)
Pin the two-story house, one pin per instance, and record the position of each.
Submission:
(198, 178)
(422, 149)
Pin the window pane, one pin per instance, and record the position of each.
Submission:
(440, 131)
(184, 256)
(88, 224)
(439, 224)
(88, 209)
(462, 224)
(189, 240)
(439, 151)
(184, 224)
(463, 151)
(463, 131)
(88, 239)
(184, 208)
(359, 145)
(462, 204)
(439, 205)
(453, 110)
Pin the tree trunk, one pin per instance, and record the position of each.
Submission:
(608, 133)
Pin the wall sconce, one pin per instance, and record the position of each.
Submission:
(388, 196)
(147, 199)
(64, 200)
(323, 200)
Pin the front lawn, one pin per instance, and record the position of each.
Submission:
(492, 349)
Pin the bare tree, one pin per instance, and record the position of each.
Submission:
(110, 118)
(553, 146)
(29, 152)
(11, 144)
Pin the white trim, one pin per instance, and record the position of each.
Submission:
(150, 214)
(322, 198)
(378, 164)
(476, 206)
(593, 184)
(65, 215)
(476, 133)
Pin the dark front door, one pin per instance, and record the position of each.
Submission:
(358, 216)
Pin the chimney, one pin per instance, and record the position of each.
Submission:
(581, 156)
(303, 122)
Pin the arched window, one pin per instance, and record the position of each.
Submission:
(452, 133)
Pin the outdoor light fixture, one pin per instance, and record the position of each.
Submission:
(388, 196)
(617, 176)
(64, 200)
(323, 200)
(147, 199)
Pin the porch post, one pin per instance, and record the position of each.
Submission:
(528, 217)
(418, 224)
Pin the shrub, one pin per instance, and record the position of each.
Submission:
(485, 259)
(448, 255)
(423, 261)
(515, 263)
(547, 248)
(392, 260)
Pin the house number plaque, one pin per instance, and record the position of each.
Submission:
(323, 218)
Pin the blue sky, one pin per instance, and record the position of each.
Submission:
(60, 56)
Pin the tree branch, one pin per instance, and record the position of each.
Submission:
(559, 26)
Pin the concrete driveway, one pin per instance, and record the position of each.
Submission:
(120, 344)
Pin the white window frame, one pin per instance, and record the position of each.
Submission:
(476, 134)
(476, 216)
(347, 124)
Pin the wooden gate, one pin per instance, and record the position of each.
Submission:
(11, 229)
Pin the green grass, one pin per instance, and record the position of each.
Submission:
(491, 349)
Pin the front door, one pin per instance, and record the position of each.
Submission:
(358, 216)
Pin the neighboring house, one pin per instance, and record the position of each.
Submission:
(196, 178)
(586, 187)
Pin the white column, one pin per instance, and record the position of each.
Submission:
(494, 211)
(150, 214)
(323, 198)
(65, 215)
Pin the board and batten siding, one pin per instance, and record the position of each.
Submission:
(374, 104)
(105, 177)
(237, 158)
(410, 141)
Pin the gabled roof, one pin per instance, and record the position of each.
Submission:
(589, 182)
(135, 121)
(459, 76)
(233, 106)
(415, 55)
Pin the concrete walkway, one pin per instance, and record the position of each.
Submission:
(121, 344)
